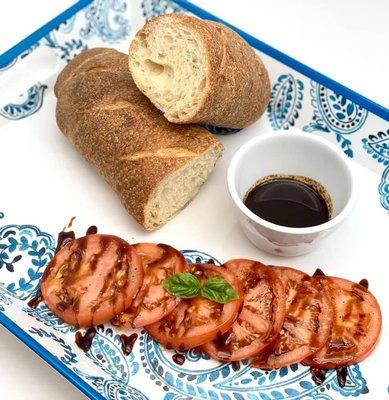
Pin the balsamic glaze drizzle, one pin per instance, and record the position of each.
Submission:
(364, 283)
(318, 272)
(84, 342)
(67, 236)
(69, 225)
(34, 302)
(179, 359)
(63, 238)
(341, 374)
(222, 343)
(235, 365)
(92, 230)
(128, 343)
(318, 375)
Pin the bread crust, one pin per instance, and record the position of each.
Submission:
(119, 132)
(237, 84)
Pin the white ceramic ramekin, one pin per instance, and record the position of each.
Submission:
(291, 152)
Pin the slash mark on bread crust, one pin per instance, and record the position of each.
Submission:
(168, 152)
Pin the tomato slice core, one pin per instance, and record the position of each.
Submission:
(260, 318)
(153, 302)
(199, 320)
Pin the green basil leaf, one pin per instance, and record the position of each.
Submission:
(184, 285)
(219, 290)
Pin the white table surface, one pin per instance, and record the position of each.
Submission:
(348, 41)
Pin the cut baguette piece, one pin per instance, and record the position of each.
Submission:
(179, 188)
(198, 71)
(154, 166)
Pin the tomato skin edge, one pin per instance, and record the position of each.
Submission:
(328, 365)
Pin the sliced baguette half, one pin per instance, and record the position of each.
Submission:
(198, 71)
(155, 167)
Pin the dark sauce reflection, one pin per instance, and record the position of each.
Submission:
(288, 200)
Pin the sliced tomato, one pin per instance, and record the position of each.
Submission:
(260, 318)
(91, 279)
(356, 324)
(199, 320)
(153, 302)
(307, 324)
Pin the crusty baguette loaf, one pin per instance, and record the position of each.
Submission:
(154, 166)
(199, 71)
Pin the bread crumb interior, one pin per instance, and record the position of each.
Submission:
(169, 66)
(175, 192)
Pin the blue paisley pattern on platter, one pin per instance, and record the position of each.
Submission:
(114, 368)
(378, 146)
(217, 130)
(31, 102)
(153, 8)
(44, 315)
(67, 26)
(27, 248)
(105, 18)
(106, 353)
(5, 300)
(334, 113)
(70, 49)
(68, 357)
(383, 189)
(239, 380)
(285, 102)
(198, 257)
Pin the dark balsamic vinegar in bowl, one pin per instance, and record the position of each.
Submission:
(289, 200)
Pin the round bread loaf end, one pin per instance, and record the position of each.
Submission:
(198, 71)
(154, 166)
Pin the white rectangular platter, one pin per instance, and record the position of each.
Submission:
(45, 182)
